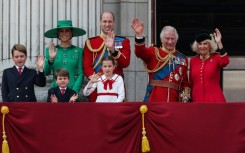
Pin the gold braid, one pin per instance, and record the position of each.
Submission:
(94, 50)
(160, 59)
(101, 55)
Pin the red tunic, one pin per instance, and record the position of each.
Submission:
(205, 78)
(178, 76)
(94, 47)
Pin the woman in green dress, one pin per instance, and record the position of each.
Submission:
(65, 55)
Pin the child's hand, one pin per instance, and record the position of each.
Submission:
(53, 98)
(95, 78)
(40, 63)
(73, 98)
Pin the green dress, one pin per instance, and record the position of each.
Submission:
(70, 59)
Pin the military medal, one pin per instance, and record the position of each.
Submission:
(177, 60)
(176, 77)
(180, 71)
(118, 44)
(183, 61)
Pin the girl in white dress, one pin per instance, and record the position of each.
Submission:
(110, 87)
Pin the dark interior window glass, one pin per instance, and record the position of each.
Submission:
(191, 16)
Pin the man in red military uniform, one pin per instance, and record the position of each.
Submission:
(104, 45)
(167, 68)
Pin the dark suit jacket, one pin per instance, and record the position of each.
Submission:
(20, 88)
(61, 98)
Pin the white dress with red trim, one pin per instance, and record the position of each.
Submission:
(108, 90)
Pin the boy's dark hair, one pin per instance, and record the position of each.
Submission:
(61, 73)
(108, 58)
(20, 48)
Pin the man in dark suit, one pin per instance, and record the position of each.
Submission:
(18, 81)
(62, 93)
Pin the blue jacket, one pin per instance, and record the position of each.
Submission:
(61, 98)
(20, 88)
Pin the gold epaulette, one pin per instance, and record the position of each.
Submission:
(94, 50)
(160, 59)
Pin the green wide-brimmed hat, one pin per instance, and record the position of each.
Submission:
(53, 33)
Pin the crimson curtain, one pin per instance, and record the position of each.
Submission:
(116, 128)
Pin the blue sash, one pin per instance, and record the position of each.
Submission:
(118, 42)
(162, 73)
(98, 67)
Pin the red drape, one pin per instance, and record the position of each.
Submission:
(116, 128)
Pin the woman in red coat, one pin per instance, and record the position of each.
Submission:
(205, 67)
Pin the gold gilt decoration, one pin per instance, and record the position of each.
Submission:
(145, 142)
(119, 54)
(160, 59)
(5, 146)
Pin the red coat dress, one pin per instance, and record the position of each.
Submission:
(205, 78)
(95, 49)
(175, 74)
